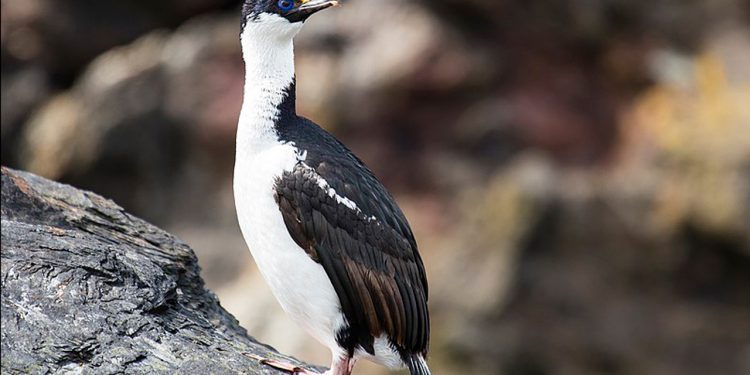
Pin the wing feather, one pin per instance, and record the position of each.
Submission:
(368, 252)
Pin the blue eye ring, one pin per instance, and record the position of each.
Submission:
(285, 5)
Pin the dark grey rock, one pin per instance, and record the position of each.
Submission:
(88, 288)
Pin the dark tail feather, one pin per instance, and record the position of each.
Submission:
(417, 365)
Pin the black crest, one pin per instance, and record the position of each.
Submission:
(252, 9)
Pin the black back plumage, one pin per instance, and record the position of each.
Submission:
(369, 254)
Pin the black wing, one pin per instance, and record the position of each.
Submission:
(369, 253)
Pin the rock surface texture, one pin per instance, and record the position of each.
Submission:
(88, 288)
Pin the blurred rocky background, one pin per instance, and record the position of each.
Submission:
(577, 172)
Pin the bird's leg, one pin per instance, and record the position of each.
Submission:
(288, 367)
(341, 365)
(352, 361)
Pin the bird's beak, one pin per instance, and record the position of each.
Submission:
(308, 7)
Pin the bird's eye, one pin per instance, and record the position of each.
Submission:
(285, 5)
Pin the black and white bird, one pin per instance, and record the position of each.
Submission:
(330, 241)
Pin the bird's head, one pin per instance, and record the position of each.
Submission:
(282, 17)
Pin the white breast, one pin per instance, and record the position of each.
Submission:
(299, 284)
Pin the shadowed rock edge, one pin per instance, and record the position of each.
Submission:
(87, 287)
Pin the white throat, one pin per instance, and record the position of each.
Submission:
(268, 51)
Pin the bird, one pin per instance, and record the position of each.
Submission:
(329, 240)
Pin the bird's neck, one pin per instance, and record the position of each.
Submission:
(269, 90)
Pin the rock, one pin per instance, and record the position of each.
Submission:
(89, 288)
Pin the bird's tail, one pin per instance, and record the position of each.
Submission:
(417, 365)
